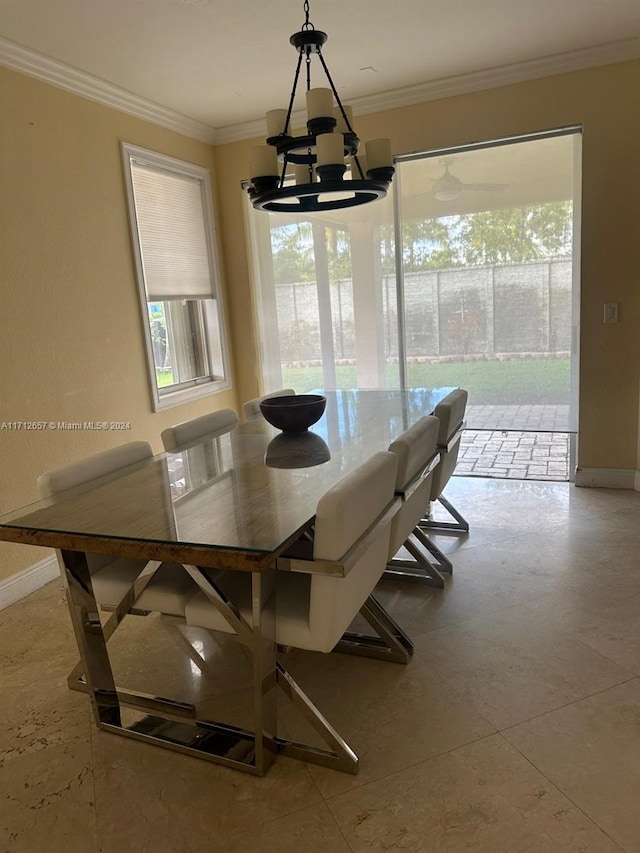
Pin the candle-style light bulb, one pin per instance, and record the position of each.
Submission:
(276, 121)
(263, 160)
(341, 125)
(378, 153)
(319, 103)
(329, 149)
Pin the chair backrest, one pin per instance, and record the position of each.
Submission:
(413, 449)
(343, 514)
(450, 413)
(206, 426)
(252, 407)
(51, 483)
(58, 480)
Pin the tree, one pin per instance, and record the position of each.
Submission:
(516, 234)
(293, 256)
(292, 252)
(427, 244)
(510, 236)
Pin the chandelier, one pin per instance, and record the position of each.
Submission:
(319, 157)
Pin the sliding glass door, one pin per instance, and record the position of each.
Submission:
(488, 277)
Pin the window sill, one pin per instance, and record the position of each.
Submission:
(186, 395)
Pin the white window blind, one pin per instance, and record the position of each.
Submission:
(171, 226)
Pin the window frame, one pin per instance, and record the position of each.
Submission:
(202, 386)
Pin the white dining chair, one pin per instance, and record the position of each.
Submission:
(450, 413)
(315, 602)
(169, 587)
(417, 455)
(120, 585)
(206, 426)
(252, 407)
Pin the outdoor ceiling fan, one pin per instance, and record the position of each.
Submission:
(448, 187)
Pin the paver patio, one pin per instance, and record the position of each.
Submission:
(516, 442)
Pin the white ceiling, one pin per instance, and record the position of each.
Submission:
(224, 62)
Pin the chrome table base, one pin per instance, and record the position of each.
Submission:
(175, 725)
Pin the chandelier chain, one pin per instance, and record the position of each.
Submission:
(307, 23)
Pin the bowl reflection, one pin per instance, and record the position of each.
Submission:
(299, 450)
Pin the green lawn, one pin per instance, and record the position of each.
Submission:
(164, 378)
(518, 382)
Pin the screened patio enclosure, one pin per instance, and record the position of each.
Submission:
(466, 274)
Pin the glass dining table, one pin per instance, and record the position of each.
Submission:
(234, 502)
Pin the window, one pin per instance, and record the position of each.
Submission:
(325, 297)
(170, 212)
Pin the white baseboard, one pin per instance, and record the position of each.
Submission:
(607, 478)
(23, 583)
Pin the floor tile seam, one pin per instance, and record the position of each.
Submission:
(488, 543)
(506, 729)
(538, 479)
(6, 759)
(328, 799)
(319, 802)
(464, 622)
(495, 542)
(529, 599)
(92, 731)
(631, 675)
(228, 836)
(556, 628)
(563, 793)
(464, 700)
(340, 830)
(477, 710)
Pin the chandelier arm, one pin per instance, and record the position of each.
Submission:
(308, 61)
(285, 163)
(335, 91)
(359, 165)
(293, 94)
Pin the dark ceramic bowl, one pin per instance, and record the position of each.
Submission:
(294, 413)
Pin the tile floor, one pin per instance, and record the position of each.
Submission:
(515, 729)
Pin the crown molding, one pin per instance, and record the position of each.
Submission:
(463, 84)
(27, 61)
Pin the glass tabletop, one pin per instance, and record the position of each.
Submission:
(249, 491)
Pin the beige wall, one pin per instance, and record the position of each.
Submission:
(71, 341)
(71, 344)
(605, 101)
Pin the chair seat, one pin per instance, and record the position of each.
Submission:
(292, 591)
(167, 592)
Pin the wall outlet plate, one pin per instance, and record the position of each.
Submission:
(610, 312)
